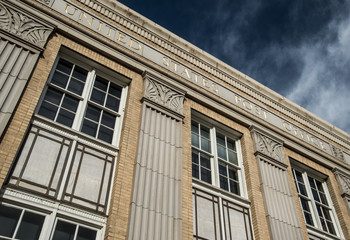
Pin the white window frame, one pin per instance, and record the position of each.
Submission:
(215, 127)
(53, 214)
(94, 70)
(316, 230)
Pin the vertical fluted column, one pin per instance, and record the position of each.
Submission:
(280, 205)
(22, 38)
(157, 195)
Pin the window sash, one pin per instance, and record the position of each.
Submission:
(322, 216)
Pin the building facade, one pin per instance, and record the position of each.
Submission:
(114, 128)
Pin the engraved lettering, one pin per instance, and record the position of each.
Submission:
(165, 61)
(245, 102)
(287, 126)
(67, 10)
(215, 88)
(138, 47)
(121, 37)
(186, 72)
(83, 15)
(175, 66)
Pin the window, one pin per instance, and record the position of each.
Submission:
(315, 202)
(215, 159)
(16, 223)
(58, 160)
(72, 231)
(83, 99)
(21, 223)
(220, 207)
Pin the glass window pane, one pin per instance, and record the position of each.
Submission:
(98, 97)
(323, 198)
(221, 152)
(54, 96)
(89, 128)
(48, 110)
(194, 127)
(205, 175)
(30, 227)
(205, 132)
(233, 173)
(220, 140)
(8, 220)
(223, 183)
(93, 113)
(222, 169)
(66, 118)
(112, 103)
(86, 234)
(115, 90)
(195, 170)
(195, 140)
(302, 189)
(195, 157)
(64, 66)
(100, 83)
(76, 86)
(232, 157)
(105, 134)
(231, 145)
(205, 161)
(64, 231)
(80, 73)
(234, 187)
(60, 79)
(205, 145)
(70, 103)
(108, 119)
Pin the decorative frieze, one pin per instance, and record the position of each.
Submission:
(23, 26)
(163, 95)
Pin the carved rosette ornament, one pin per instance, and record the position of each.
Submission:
(24, 27)
(268, 146)
(163, 95)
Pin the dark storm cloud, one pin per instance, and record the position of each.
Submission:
(298, 48)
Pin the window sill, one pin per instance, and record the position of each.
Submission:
(220, 192)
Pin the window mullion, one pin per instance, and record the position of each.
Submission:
(79, 118)
(221, 222)
(214, 162)
(18, 224)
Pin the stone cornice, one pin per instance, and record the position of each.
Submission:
(141, 26)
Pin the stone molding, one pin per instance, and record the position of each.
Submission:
(343, 182)
(163, 95)
(24, 27)
(162, 38)
(268, 146)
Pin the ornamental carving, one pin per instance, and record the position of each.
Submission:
(344, 183)
(268, 146)
(23, 26)
(338, 153)
(164, 95)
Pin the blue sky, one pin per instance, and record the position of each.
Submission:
(300, 49)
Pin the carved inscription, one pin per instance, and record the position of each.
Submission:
(22, 26)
